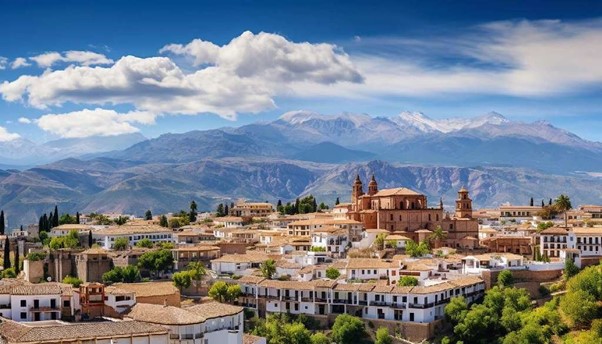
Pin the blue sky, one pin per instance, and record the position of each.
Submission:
(86, 68)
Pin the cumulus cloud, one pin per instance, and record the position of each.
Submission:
(3, 62)
(84, 58)
(6, 136)
(19, 62)
(93, 122)
(24, 120)
(242, 76)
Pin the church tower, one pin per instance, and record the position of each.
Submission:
(463, 204)
(372, 186)
(357, 190)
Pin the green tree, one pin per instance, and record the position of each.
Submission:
(347, 329)
(9, 273)
(319, 338)
(220, 210)
(146, 242)
(131, 274)
(332, 273)
(77, 218)
(563, 204)
(55, 217)
(233, 292)
(121, 220)
(148, 216)
(182, 279)
(67, 219)
(438, 236)
(456, 309)
(193, 211)
(579, 307)
(163, 221)
(296, 333)
(505, 279)
(337, 202)
(379, 241)
(156, 261)
(219, 291)
(407, 281)
(6, 264)
(17, 265)
(74, 281)
(268, 268)
(121, 244)
(570, 269)
(90, 239)
(383, 337)
(2, 223)
(416, 250)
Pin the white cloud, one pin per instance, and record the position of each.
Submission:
(6, 136)
(19, 62)
(95, 122)
(3, 62)
(516, 58)
(243, 76)
(24, 120)
(84, 58)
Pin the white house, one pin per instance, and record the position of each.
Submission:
(133, 233)
(35, 302)
(238, 263)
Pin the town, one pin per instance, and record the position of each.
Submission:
(389, 264)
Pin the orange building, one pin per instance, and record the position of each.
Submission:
(404, 210)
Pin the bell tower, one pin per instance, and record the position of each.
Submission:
(372, 186)
(463, 204)
(357, 189)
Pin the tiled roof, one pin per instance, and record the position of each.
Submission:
(371, 263)
(15, 332)
(555, 231)
(396, 192)
(132, 229)
(164, 315)
(212, 310)
(249, 279)
(37, 289)
(146, 289)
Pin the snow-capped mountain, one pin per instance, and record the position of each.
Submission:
(428, 125)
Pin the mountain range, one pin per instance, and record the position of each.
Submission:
(302, 152)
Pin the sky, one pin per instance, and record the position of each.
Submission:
(71, 69)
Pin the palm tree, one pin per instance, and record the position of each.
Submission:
(268, 268)
(438, 235)
(563, 203)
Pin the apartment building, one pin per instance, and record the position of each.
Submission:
(133, 233)
(252, 209)
(26, 302)
(552, 241)
(420, 304)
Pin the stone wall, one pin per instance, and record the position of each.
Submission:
(171, 299)
(490, 276)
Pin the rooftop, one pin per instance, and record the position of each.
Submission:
(147, 289)
(163, 315)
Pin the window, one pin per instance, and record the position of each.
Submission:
(23, 303)
(23, 315)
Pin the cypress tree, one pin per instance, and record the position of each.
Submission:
(50, 222)
(543, 204)
(531, 201)
(337, 201)
(17, 264)
(40, 224)
(232, 205)
(6, 253)
(77, 217)
(90, 238)
(297, 211)
(279, 204)
(314, 204)
(550, 202)
(2, 225)
(226, 210)
(45, 223)
(55, 218)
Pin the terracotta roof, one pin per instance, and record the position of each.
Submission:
(147, 289)
(200, 248)
(587, 231)
(133, 229)
(287, 284)
(555, 231)
(228, 219)
(212, 310)
(251, 339)
(396, 192)
(163, 315)
(37, 289)
(248, 279)
(95, 250)
(397, 237)
(29, 333)
(466, 281)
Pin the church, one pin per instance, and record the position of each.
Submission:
(406, 212)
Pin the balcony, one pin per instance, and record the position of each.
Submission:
(307, 299)
(380, 303)
(44, 309)
(272, 297)
(5, 306)
(289, 297)
(319, 299)
(363, 303)
(440, 302)
(421, 306)
(400, 305)
(343, 301)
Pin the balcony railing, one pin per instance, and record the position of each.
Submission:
(380, 303)
(421, 305)
(319, 299)
(344, 301)
(307, 299)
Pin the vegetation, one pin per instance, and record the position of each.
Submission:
(71, 240)
(438, 236)
(332, 273)
(417, 250)
(379, 241)
(195, 272)
(148, 216)
(563, 204)
(224, 292)
(507, 314)
(74, 281)
(268, 268)
(35, 256)
(284, 329)
(347, 329)
(383, 337)
(6, 264)
(304, 205)
(193, 212)
(178, 221)
(146, 243)
(9, 273)
(317, 249)
(67, 219)
(121, 244)
(156, 261)
(505, 279)
(121, 220)
(407, 281)
(129, 274)
(163, 221)
(544, 225)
